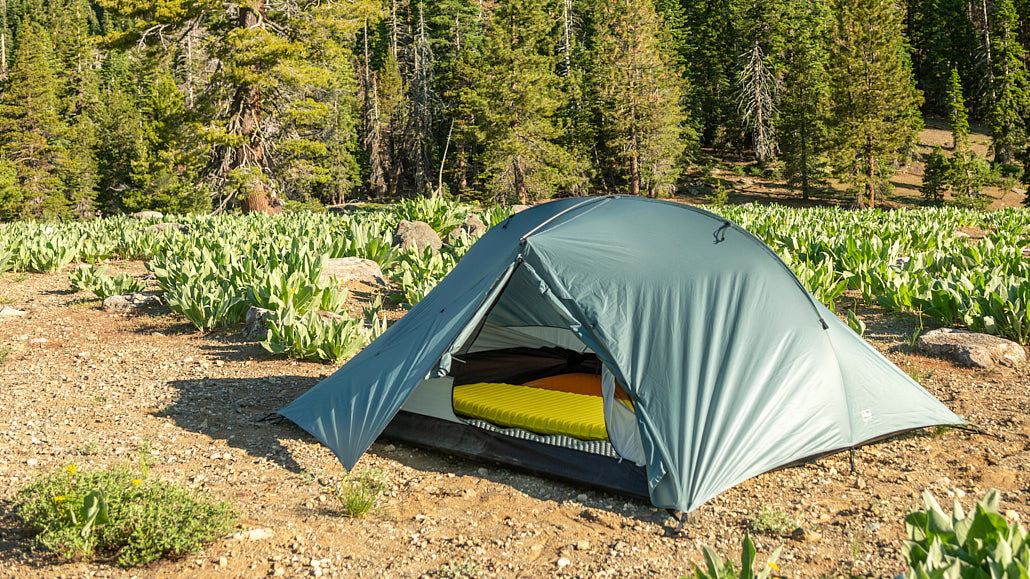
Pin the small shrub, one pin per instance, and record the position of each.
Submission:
(981, 544)
(358, 496)
(5, 351)
(773, 522)
(96, 280)
(717, 568)
(313, 337)
(458, 569)
(856, 323)
(208, 303)
(118, 515)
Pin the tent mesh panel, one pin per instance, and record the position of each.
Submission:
(601, 447)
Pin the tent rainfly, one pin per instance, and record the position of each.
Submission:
(633, 344)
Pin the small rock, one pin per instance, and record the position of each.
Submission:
(416, 235)
(254, 329)
(483, 472)
(254, 534)
(1012, 516)
(9, 311)
(163, 227)
(564, 562)
(38, 341)
(346, 269)
(971, 349)
(803, 535)
(130, 302)
(222, 562)
(582, 498)
(472, 227)
(860, 483)
(582, 545)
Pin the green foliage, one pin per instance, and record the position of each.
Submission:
(358, 495)
(96, 280)
(773, 522)
(936, 176)
(958, 115)
(120, 515)
(717, 568)
(314, 337)
(5, 352)
(981, 544)
(1009, 96)
(50, 254)
(856, 323)
(876, 112)
(513, 95)
(440, 214)
(636, 94)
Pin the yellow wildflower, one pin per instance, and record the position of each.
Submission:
(60, 499)
(774, 566)
(136, 482)
(72, 469)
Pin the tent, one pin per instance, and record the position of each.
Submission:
(713, 363)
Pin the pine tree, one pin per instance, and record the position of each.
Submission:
(757, 102)
(1009, 85)
(713, 40)
(943, 39)
(800, 54)
(637, 98)
(32, 134)
(513, 99)
(876, 104)
(262, 58)
(958, 117)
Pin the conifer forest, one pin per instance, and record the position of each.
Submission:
(111, 106)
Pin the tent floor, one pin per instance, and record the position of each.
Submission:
(567, 464)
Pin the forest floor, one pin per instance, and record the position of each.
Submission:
(86, 387)
(744, 183)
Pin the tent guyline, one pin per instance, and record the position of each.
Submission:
(608, 341)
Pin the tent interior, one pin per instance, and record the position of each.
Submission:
(522, 373)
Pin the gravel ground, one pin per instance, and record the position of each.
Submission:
(92, 388)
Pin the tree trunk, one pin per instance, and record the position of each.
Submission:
(870, 173)
(519, 181)
(634, 175)
(246, 109)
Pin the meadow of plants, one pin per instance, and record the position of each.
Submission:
(948, 266)
(916, 261)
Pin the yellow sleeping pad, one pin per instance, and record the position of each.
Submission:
(534, 409)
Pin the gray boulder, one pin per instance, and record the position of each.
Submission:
(519, 208)
(254, 329)
(130, 302)
(971, 349)
(472, 227)
(148, 215)
(416, 235)
(348, 269)
(163, 227)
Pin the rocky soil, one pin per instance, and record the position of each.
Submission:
(86, 387)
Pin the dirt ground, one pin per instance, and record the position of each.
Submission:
(86, 387)
(745, 188)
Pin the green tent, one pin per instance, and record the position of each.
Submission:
(713, 363)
